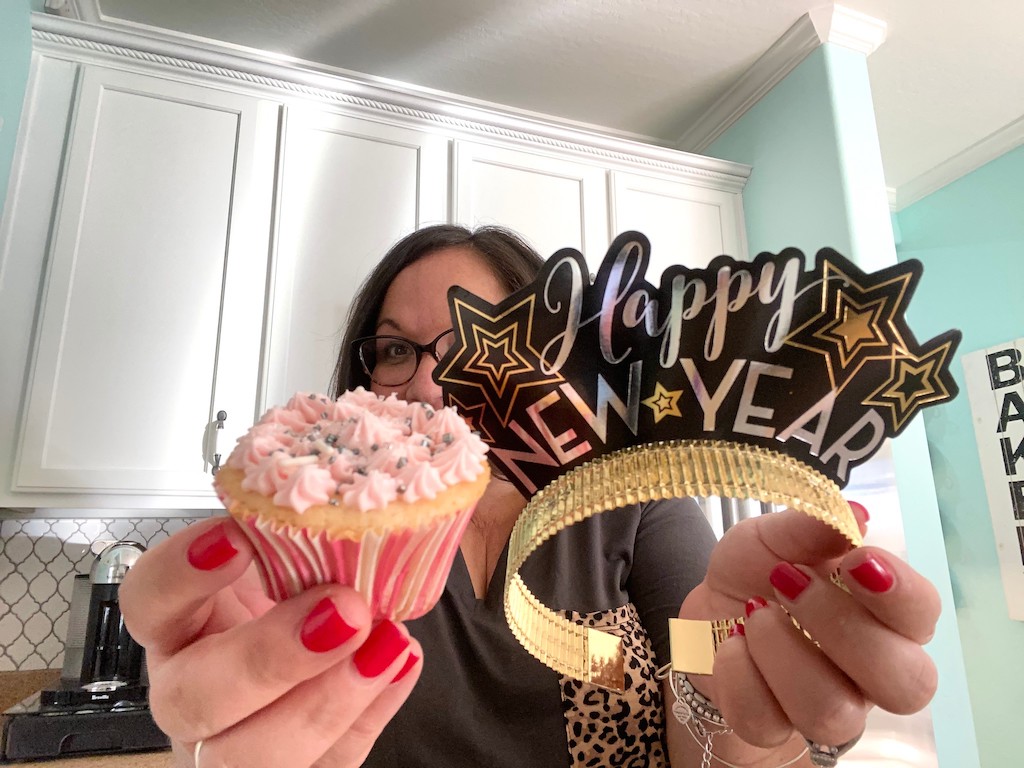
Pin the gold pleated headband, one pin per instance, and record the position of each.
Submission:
(635, 475)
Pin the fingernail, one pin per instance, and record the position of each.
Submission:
(754, 603)
(385, 643)
(873, 575)
(861, 513)
(409, 664)
(789, 580)
(211, 550)
(738, 630)
(323, 629)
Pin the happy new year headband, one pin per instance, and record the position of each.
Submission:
(744, 379)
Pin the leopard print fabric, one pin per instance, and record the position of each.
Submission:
(604, 728)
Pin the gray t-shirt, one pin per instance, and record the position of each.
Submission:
(482, 700)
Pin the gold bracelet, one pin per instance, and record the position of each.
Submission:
(634, 475)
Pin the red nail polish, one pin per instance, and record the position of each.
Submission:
(323, 629)
(211, 550)
(409, 664)
(385, 643)
(754, 603)
(873, 575)
(789, 580)
(860, 510)
(861, 513)
(738, 630)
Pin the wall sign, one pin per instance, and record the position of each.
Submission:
(995, 386)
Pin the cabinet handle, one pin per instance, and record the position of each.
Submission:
(218, 427)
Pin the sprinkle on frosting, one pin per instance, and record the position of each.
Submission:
(362, 450)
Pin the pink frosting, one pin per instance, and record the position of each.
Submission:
(374, 490)
(455, 461)
(365, 450)
(308, 485)
(421, 481)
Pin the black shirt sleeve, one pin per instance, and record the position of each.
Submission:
(670, 557)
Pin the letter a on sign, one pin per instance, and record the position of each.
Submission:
(995, 389)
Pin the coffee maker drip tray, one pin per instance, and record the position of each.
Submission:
(57, 723)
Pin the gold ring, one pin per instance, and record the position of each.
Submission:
(195, 753)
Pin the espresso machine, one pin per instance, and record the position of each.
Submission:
(100, 704)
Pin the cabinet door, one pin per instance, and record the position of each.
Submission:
(686, 223)
(553, 202)
(151, 316)
(349, 188)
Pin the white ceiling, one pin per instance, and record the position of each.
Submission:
(950, 74)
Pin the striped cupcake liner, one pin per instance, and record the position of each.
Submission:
(401, 573)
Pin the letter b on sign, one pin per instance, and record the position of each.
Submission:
(1004, 368)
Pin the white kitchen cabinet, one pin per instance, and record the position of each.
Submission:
(554, 202)
(186, 228)
(150, 318)
(687, 223)
(349, 188)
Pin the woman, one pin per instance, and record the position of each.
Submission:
(307, 682)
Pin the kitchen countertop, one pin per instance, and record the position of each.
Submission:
(15, 686)
(137, 760)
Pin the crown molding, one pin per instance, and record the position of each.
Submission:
(235, 66)
(848, 28)
(994, 145)
(829, 24)
(774, 64)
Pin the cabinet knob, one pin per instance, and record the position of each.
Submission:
(222, 416)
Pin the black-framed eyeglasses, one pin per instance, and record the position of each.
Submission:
(392, 360)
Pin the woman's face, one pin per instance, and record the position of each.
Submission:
(416, 308)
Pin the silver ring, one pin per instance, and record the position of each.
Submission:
(826, 756)
(195, 754)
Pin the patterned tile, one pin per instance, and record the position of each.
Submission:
(13, 588)
(10, 629)
(39, 558)
(37, 628)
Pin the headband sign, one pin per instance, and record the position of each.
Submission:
(819, 364)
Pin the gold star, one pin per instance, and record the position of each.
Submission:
(497, 357)
(914, 382)
(855, 328)
(663, 402)
(857, 321)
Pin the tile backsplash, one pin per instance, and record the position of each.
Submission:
(39, 558)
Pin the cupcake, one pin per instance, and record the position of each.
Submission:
(365, 491)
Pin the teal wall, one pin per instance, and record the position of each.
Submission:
(817, 181)
(795, 195)
(15, 52)
(970, 237)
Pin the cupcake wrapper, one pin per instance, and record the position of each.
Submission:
(401, 573)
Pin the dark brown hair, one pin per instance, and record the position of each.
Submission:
(509, 257)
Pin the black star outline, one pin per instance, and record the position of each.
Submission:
(814, 334)
(913, 383)
(471, 325)
(509, 361)
(474, 416)
(663, 402)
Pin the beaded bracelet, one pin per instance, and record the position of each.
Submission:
(690, 704)
(704, 722)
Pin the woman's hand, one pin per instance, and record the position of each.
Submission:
(304, 682)
(773, 681)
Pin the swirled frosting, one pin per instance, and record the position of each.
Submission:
(362, 450)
